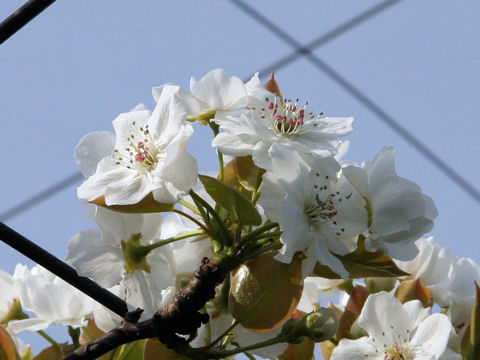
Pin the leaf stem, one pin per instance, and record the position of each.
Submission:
(189, 206)
(219, 221)
(252, 235)
(49, 339)
(173, 239)
(275, 340)
(191, 218)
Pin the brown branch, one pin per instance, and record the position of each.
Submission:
(179, 317)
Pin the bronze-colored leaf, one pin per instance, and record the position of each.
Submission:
(147, 205)
(55, 353)
(471, 339)
(155, 350)
(8, 351)
(414, 290)
(302, 351)
(352, 311)
(327, 347)
(248, 173)
(362, 264)
(375, 285)
(265, 292)
(230, 175)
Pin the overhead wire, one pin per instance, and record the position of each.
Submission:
(284, 61)
(430, 155)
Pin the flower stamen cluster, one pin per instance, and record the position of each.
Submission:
(397, 352)
(287, 118)
(143, 155)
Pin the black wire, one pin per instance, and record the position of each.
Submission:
(363, 99)
(321, 40)
(62, 270)
(21, 17)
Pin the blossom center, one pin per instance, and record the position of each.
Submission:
(287, 118)
(141, 153)
(320, 210)
(397, 352)
(324, 205)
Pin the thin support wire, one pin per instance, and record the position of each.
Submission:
(430, 155)
(318, 42)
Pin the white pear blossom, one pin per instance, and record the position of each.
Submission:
(103, 255)
(149, 156)
(461, 284)
(397, 332)
(313, 288)
(253, 131)
(315, 208)
(399, 213)
(215, 92)
(433, 265)
(92, 148)
(8, 294)
(52, 300)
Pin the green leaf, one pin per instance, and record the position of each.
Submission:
(231, 200)
(265, 292)
(362, 264)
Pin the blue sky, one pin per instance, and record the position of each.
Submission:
(79, 64)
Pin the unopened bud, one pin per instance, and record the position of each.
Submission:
(319, 325)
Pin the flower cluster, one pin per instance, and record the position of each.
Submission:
(286, 219)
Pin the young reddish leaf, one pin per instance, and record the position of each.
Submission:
(265, 292)
(302, 351)
(147, 205)
(327, 347)
(272, 86)
(231, 200)
(352, 311)
(8, 351)
(414, 290)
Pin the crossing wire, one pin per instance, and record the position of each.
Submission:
(438, 162)
(284, 61)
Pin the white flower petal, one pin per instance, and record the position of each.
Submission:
(91, 149)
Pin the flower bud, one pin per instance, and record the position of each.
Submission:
(319, 325)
